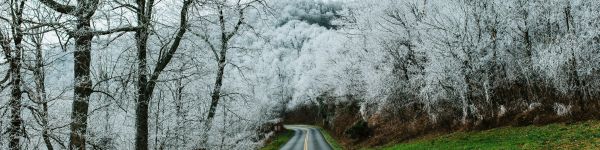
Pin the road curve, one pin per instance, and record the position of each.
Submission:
(306, 138)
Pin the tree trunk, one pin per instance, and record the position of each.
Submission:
(146, 85)
(143, 99)
(15, 72)
(221, 63)
(575, 82)
(15, 99)
(83, 36)
(141, 138)
(40, 78)
(82, 84)
(215, 97)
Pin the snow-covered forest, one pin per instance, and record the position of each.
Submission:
(217, 74)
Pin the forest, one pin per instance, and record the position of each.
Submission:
(221, 74)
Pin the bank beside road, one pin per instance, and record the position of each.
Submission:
(576, 135)
(278, 140)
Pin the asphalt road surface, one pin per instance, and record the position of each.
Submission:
(306, 138)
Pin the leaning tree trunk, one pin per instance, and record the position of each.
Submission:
(215, 97)
(221, 58)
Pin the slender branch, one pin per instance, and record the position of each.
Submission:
(210, 45)
(239, 23)
(104, 93)
(111, 31)
(164, 61)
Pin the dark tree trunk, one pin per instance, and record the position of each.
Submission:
(221, 58)
(83, 36)
(141, 138)
(146, 84)
(216, 94)
(15, 72)
(15, 99)
(141, 36)
(82, 55)
(575, 82)
(82, 84)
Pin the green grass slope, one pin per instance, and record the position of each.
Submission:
(583, 135)
(279, 140)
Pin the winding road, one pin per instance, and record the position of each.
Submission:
(306, 138)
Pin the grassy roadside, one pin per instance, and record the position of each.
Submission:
(334, 144)
(279, 140)
(583, 135)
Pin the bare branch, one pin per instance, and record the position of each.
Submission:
(111, 31)
(65, 9)
(164, 61)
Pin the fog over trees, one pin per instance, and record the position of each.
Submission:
(218, 74)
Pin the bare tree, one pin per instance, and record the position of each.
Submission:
(227, 31)
(38, 94)
(83, 35)
(147, 84)
(13, 55)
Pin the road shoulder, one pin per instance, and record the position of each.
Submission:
(279, 140)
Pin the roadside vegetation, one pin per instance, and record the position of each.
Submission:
(279, 140)
(583, 135)
(332, 142)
